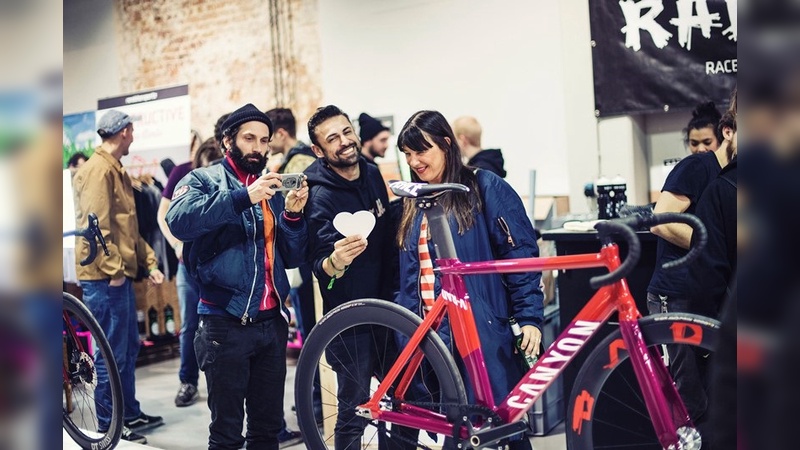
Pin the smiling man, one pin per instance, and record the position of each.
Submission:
(340, 180)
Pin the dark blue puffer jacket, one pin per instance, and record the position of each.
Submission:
(494, 298)
(224, 241)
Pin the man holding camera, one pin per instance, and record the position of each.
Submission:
(239, 237)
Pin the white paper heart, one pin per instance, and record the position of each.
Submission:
(361, 222)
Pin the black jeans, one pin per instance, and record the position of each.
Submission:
(688, 365)
(356, 355)
(244, 365)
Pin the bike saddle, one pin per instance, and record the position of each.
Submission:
(416, 190)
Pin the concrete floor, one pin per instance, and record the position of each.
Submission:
(187, 428)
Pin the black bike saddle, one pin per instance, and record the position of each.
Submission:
(417, 190)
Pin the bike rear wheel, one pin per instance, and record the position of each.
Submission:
(81, 376)
(606, 387)
(363, 333)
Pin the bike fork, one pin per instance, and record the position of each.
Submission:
(663, 402)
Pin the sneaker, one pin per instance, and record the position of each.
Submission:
(187, 395)
(130, 436)
(287, 438)
(144, 422)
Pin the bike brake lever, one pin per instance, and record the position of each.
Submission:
(94, 225)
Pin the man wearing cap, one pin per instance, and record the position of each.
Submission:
(239, 237)
(374, 138)
(103, 187)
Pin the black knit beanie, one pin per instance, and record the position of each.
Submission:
(368, 127)
(247, 113)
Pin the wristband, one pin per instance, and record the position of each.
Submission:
(292, 215)
(336, 271)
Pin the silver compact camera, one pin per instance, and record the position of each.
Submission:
(291, 181)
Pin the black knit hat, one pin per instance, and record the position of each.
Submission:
(369, 127)
(247, 113)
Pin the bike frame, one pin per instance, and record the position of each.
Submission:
(664, 405)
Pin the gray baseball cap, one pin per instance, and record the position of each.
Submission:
(113, 122)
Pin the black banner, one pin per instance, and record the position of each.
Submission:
(659, 55)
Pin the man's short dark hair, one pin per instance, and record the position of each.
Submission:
(283, 118)
(74, 159)
(321, 115)
(218, 127)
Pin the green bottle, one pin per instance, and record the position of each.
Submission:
(527, 360)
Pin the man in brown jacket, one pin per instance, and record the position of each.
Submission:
(103, 187)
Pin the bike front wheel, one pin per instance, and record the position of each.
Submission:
(87, 362)
(344, 359)
(606, 408)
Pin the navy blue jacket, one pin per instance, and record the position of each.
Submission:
(370, 275)
(224, 245)
(494, 298)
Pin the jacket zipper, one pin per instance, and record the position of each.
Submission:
(504, 226)
(255, 271)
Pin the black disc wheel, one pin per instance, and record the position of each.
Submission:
(606, 409)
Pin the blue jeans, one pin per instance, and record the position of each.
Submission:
(188, 296)
(115, 311)
(245, 366)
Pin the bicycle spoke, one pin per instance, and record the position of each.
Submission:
(617, 400)
(362, 349)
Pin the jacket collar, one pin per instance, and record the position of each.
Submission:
(110, 159)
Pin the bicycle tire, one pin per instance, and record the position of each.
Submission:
(80, 422)
(605, 387)
(379, 315)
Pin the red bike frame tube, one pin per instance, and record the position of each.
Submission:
(584, 261)
(558, 355)
(650, 372)
(465, 334)
(412, 346)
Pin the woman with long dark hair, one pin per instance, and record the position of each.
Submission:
(488, 222)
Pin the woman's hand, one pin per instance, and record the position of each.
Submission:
(531, 338)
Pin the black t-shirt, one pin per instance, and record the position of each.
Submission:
(690, 178)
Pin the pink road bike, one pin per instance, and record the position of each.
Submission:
(448, 418)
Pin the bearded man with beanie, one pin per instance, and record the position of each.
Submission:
(374, 138)
(239, 237)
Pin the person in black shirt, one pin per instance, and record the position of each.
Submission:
(468, 134)
(340, 180)
(670, 290)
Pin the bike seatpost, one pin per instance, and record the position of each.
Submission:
(440, 228)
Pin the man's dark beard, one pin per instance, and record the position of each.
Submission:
(245, 163)
(339, 164)
(372, 153)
